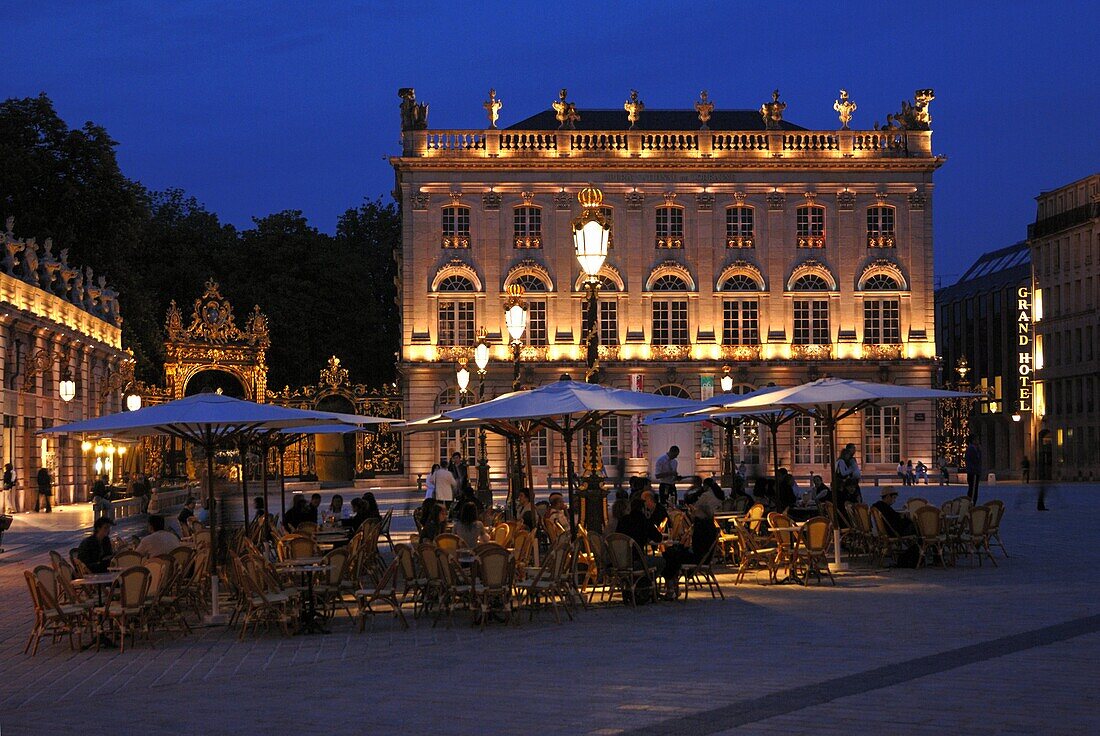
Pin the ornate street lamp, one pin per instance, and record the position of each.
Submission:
(67, 386)
(481, 360)
(727, 430)
(515, 319)
(133, 402)
(727, 380)
(591, 232)
(463, 376)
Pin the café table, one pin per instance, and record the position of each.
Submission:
(308, 620)
(99, 581)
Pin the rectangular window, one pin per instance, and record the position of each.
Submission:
(456, 227)
(536, 333)
(739, 231)
(670, 322)
(456, 323)
(457, 440)
(608, 216)
(609, 439)
(809, 442)
(528, 227)
(810, 224)
(881, 321)
(670, 227)
(811, 322)
(540, 449)
(609, 322)
(882, 434)
(880, 227)
(740, 322)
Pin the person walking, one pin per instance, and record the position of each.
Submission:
(1025, 469)
(444, 483)
(973, 468)
(45, 490)
(7, 488)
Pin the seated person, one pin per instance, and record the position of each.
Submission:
(703, 534)
(357, 517)
(298, 512)
(337, 511)
(96, 550)
(313, 511)
(159, 541)
(186, 513)
(619, 509)
(898, 525)
(467, 526)
(707, 501)
(639, 527)
(370, 506)
(786, 491)
(433, 519)
(820, 491)
(638, 483)
(558, 511)
(525, 509)
(653, 510)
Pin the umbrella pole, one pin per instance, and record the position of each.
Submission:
(830, 426)
(774, 427)
(282, 481)
(530, 471)
(215, 615)
(242, 450)
(266, 451)
(567, 434)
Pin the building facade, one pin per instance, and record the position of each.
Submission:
(57, 323)
(985, 318)
(739, 239)
(1065, 252)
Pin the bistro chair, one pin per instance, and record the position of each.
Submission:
(811, 554)
(264, 603)
(754, 521)
(385, 592)
(449, 543)
(863, 536)
(455, 588)
(996, 513)
(413, 581)
(501, 534)
(753, 553)
(329, 586)
(128, 558)
(931, 533)
(493, 583)
(786, 538)
(432, 589)
(976, 534)
(912, 504)
(127, 605)
(297, 547)
(546, 586)
(886, 540)
(50, 615)
(701, 574)
(628, 568)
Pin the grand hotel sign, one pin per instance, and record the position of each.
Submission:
(1024, 341)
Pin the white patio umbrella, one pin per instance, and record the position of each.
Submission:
(205, 420)
(829, 400)
(565, 407)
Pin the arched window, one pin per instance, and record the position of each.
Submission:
(672, 389)
(740, 282)
(810, 224)
(881, 282)
(739, 227)
(880, 227)
(528, 227)
(455, 283)
(456, 227)
(530, 282)
(669, 282)
(810, 282)
(670, 227)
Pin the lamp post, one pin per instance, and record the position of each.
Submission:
(515, 319)
(463, 375)
(726, 383)
(591, 232)
(481, 360)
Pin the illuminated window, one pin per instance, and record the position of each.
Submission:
(740, 322)
(809, 442)
(456, 227)
(609, 322)
(746, 436)
(880, 227)
(810, 226)
(456, 323)
(740, 282)
(881, 321)
(609, 439)
(528, 227)
(670, 322)
(530, 282)
(670, 227)
(881, 282)
(457, 440)
(536, 324)
(811, 322)
(882, 434)
(739, 230)
(540, 449)
(669, 282)
(456, 283)
(810, 282)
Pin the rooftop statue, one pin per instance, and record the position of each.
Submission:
(844, 108)
(913, 116)
(48, 267)
(492, 107)
(30, 262)
(565, 111)
(634, 108)
(772, 112)
(704, 107)
(414, 115)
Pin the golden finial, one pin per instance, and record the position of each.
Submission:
(590, 197)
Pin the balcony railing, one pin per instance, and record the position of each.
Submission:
(740, 352)
(880, 240)
(529, 241)
(811, 352)
(739, 241)
(873, 351)
(608, 352)
(455, 241)
(811, 241)
(672, 143)
(670, 352)
(670, 242)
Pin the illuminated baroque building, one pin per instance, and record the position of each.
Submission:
(60, 338)
(1065, 253)
(739, 239)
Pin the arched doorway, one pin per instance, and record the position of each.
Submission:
(335, 453)
(664, 436)
(215, 381)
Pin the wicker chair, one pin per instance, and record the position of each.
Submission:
(385, 592)
(129, 558)
(413, 580)
(264, 602)
(627, 567)
(811, 555)
(432, 589)
(546, 586)
(127, 605)
(754, 554)
(912, 504)
(449, 543)
(330, 586)
(996, 513)
(781, 528)
(455, 589)
(931, 534)
(493, 584)
(384, 528)
(297, 547)
(701, 574)
(50, 615)
(887, 543)
(975, 538)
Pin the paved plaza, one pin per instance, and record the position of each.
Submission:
(1011, 649)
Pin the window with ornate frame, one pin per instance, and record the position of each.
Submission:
(609, 322)
(882, 434)
(881, 282)
(462, 440)
(670, 322)
(811, 322)
(527, 227)
(530, 283)
(810, 282)
(882, 321)
(810, 226)
(670, 227)
(609, 439)
(609, 215)
(740, 322)
(540, 448)
(455, 323)
(809, 442)
(739, 227)
(880, 227)
(669, 282)
(536, 332)
(456, 226)
(740, 282)
(746, 436)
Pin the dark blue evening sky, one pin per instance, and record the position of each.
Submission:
(255, 107)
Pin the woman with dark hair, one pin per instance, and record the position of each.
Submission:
(337, 511)
(703, 534)
(468, 527)
(525, 508)
(708, 501)
(433, 518)
(371, 506)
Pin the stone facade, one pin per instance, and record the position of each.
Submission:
(1065, 253)
(738, 239)
(56, 321)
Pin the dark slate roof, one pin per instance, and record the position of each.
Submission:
(993, 270)
(653, 120)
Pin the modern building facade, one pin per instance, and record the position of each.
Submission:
(739, 239)
(1065, 251)
(60, 337)
(980, 319)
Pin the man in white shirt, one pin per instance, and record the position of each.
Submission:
(159, 541)
(666, 474)
(445, 483)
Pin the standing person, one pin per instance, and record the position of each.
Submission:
(429, 482)
(8, 487)
(848, 475)
(45, 489)
(1041, 501)
(1025, 468)
(101, 497)
(666, 472)
(459, 469)
(743, 474)
(619, 461)
(444, 482)
(973, 468)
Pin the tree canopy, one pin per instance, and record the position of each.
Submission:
(323, 294)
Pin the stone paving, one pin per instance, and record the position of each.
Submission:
(975, 650)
